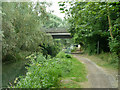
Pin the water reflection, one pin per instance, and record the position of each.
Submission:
(12, 70)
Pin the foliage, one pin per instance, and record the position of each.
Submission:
(68, 56)
(51, 50)
(89, 23)
(73, 78)
(46, 73)
(114, 45)
(43, 73)
(107, 60)
(74, 66)
(63, 55)
(54, 22)
(95, 25)
(74, 49)
(22, 26)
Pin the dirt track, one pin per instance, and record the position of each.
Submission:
(97, 77)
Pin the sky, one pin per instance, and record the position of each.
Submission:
(55, 7)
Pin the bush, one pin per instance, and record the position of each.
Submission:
(74, 49)
(43, 73)
(51, 50)
(113, 58)
(68, 56)
(61, 55)
(114, 46)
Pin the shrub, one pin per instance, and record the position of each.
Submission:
(114, 46)
(68, 56)
(113, 58)
(61, 55)
(74, 49)
(43, 73)
(51, 50)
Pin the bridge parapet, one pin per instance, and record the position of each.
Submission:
(56, 30)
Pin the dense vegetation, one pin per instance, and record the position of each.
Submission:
(54, 22)
(23, 26)
(46, 73)
(23, 31)
(95, 25)
(77, 74)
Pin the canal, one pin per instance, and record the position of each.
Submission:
(12, 70)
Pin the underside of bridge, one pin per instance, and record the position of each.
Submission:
(61, 36)
(58, 33)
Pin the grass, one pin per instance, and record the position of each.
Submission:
(104, 60)
(76, 76)
(70, 84)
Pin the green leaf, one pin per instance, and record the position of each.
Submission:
(61, 9)
(61, 4)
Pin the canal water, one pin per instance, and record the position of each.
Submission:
(12, 70)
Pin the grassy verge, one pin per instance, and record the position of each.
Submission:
(52, 72)
(103, 60)
(77, 75)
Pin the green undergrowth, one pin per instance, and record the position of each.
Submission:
(48, 73)
(15, 57)
(106, 60)
(77, 74)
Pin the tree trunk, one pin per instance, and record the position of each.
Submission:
(110, 26)
(109, 20)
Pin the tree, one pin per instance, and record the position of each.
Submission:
(22, 27)
(93, 23)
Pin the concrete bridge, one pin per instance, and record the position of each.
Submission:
(58, 33)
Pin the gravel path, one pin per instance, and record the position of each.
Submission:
(97, 77)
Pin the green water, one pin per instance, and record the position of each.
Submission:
(12, 70)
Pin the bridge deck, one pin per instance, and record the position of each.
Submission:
(58, 33)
